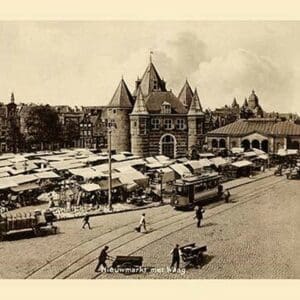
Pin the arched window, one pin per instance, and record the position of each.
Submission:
(222, 143)
(265, 146)
(245, 144)
(255, 144)
(214, 143)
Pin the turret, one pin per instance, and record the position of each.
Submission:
(195, 119)
(139, 126)
(186, 94)
(118, 110)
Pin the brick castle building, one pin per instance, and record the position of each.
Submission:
(153, 121)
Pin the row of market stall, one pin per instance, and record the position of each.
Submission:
(80, 176)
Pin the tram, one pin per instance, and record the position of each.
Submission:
(196, 190)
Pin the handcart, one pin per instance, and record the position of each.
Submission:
(192, 255)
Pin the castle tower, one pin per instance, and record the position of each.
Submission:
(150, 81)
(118, 110)
(186, 94)
(139, 119)
(195, 118)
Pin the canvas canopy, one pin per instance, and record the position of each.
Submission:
(207, 155)
(46, 175)
(219, 161)
(6, 183)
(25, 187)
(236, 150)
(242, 163)
(181, 169)
(90, 187)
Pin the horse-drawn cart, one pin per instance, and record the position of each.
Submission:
(38, 222)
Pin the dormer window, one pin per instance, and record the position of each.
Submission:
(166, 108)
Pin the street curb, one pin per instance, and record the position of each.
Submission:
(250, 181)
(112, 212)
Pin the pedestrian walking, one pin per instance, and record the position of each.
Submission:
(227, 196)
(102, 259)
(199, 215)
(86, 220)
(142, 223)
(175, 252)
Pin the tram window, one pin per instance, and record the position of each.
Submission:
(181, 191)
(199, 188)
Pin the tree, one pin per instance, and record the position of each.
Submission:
(71, 132)
(43, 127)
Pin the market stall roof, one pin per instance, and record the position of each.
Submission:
(66, 165)
(25, 187)
(90, 187)
(4, 174)
(236, 150)
(46, 175)
(43, 169)
(115, 183)
(154, 165)
(219, 161)
(86, 173)
(242, 163)
(168, 174)
(198, 164)
(258, 151)
(263, 156)
(18, 158)
(7, 156)
(20, 179)
(7, 182)
(181, 169)
(151, 160)
(284, 152)
(249, 154)
(129, 175)
(162, 158)
(119, 157)
(206, 155)
(5, 163)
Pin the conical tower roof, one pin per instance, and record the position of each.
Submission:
(151, 81)
(139, 105)
(245, 102)
(122, 97)
(186, 94)
(234, 103)
(195, 107)
(197, 100)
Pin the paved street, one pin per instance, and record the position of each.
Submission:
(253, 237)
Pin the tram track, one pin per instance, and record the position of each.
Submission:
(93, 239)
(125, 234)
(253, 196)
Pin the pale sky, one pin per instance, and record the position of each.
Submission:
(81, 63)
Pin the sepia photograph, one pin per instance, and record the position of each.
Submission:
(149, 149)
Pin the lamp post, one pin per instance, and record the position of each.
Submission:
(110, 125)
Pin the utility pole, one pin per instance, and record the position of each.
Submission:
(109, 170)
(110, 125)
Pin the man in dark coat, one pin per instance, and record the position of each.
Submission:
(102, 259)
(175, 257)
(86, 220)
(199, 215)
